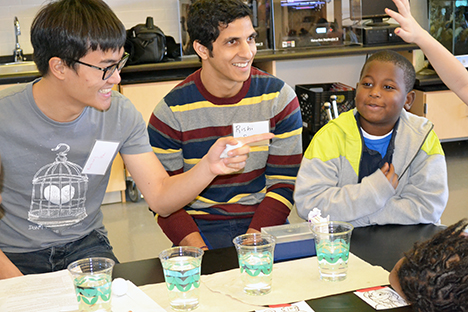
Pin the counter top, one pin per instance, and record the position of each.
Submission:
(181, 68)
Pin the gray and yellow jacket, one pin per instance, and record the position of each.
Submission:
(328, 176)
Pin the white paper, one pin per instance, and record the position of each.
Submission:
(54, 292)
(286, 288)
(100, 158)
(134, 300)
(48, 292)
(245, 129)
(381, 298)
(300, 306)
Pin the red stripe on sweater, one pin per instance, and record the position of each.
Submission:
(237, 178)
(285, 159)
(288, 110)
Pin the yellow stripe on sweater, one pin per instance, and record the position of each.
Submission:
(165, 151)
(279, 198)
(280, 177)
(233, 200)
(206, 104)
(289, 134)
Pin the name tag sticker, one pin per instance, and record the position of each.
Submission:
(101, 157)
(245, 129)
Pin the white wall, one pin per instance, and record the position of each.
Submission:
(323, 70)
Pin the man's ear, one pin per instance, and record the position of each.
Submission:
(201, 50)
(410, 97)
(57, 67)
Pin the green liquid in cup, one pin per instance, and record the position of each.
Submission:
(182, 276)
(256, 271)
(93, 293)
(333, 259)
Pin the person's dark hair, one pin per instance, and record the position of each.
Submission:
(434, 274)
(69, 29)
(399, 61)
(205, 17)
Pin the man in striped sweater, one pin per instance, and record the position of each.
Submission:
(204, 107)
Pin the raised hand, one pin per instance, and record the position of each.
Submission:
(409, 29)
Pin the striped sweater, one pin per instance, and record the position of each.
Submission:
(186, 123)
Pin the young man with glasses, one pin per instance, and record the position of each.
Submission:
(60, 133)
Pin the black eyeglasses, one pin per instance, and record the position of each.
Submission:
(109, 71)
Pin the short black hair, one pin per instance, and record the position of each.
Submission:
(434, 274)
(69, 29)
(206, 16)
(399, 61)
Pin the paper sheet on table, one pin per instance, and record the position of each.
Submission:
(49, 292)
(54, 292)
(300, 306)
(381, 298)
(134, 300)
(298, 280)
(292, 281)
(209, 301)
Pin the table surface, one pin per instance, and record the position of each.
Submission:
(378, 245)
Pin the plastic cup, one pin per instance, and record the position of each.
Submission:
(92, 278)
(255, 252)
(332, 240)
(182, 274)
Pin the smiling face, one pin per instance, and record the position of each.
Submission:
(380, 96)
(85, 86)
(227, 67)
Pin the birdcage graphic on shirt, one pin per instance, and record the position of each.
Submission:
(59, 192)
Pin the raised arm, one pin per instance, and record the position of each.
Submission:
(449, 69)
(165, 194)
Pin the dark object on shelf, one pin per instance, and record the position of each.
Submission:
(146, 43)
(312, 99)
(377, 35)
(373, 10)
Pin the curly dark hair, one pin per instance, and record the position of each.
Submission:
(399, 61)
(434, 274)
(205, 17)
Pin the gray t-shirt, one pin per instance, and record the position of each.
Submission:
(47, 199)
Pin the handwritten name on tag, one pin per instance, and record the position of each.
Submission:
(101, 157)
(245, 129)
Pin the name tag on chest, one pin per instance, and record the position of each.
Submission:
(245, 129)
(101, 157)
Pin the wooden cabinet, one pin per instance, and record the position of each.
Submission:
(145, 96)
(448, 113)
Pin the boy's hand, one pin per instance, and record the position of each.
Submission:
(193, 239)
(236, 157)
(389, 172)
(409, 29)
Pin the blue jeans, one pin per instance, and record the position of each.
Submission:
(59, 257)
(220, 233)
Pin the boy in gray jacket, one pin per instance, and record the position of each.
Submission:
(377, 164)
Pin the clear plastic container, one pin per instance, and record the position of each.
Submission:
(292, 240)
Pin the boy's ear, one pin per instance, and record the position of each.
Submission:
(57, 67)
(410, 97)
(201, 50)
